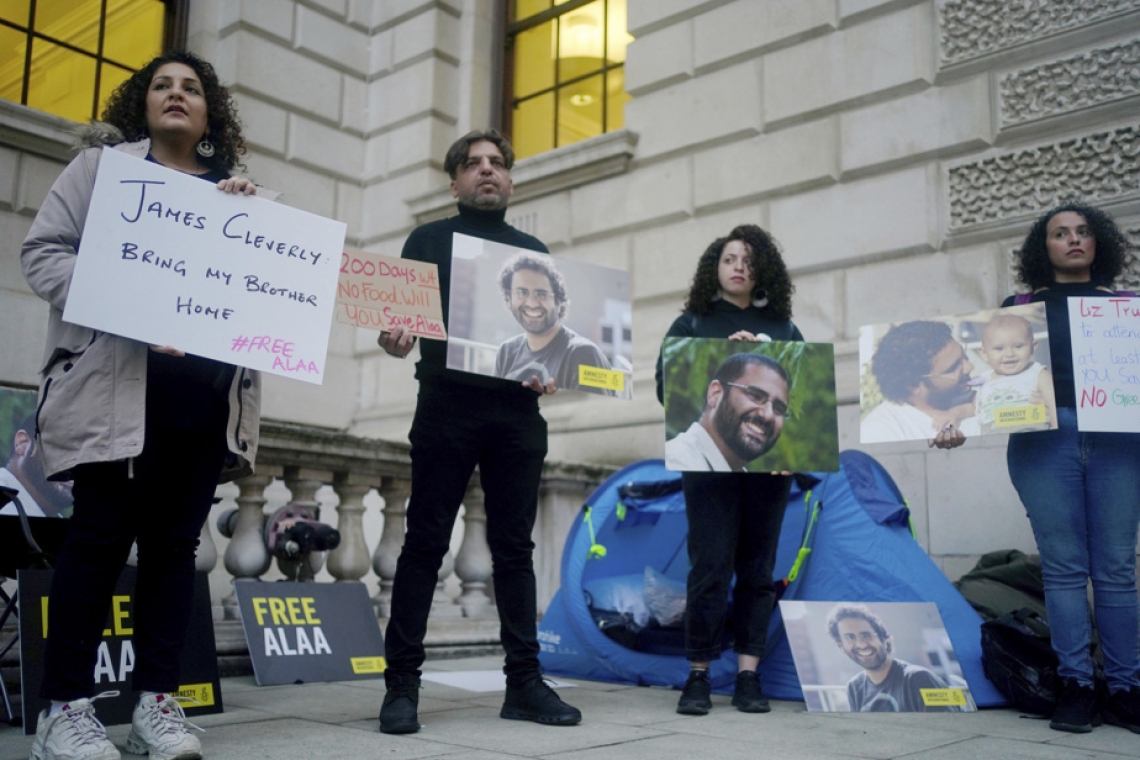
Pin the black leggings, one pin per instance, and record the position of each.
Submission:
(734, 526)
(164, 506)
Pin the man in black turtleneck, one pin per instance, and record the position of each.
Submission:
(463, 420)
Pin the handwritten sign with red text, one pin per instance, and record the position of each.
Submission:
(378, 292)
(170, 260)
(1106, 363)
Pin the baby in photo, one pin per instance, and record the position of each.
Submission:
(1015, 380)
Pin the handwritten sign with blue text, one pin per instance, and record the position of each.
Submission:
(1106, 363)
(168, 259)
(378, 292)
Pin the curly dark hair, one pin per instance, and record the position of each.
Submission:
(459, 149)
(766, 265)
(858, 612)
(903, 356)
(535, 262)
(1113, 250)
(126, 109)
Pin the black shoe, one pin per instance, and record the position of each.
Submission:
(1122, 708)
(747, 697)
(398, 714)
(1076, 708)
(695, 696)
(536, 701)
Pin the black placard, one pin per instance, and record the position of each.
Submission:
(199, 679)
(298, 632)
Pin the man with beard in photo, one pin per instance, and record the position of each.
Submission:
(886, 684)
(535, 293)
(745, 407)
(924, 375)
(24, 471)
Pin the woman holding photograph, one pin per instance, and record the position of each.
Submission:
(146, 432)
(1081, 490)
(741, 291)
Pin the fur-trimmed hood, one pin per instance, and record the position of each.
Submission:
(96, 135)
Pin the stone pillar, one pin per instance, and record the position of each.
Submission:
(303, 485)
(395, 492)
(206, 558)
(349, 561)
(473, 563)
(442, 607)
(246, 555)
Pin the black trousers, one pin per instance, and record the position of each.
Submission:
(164, 506)
(734, 526)
(452, 433)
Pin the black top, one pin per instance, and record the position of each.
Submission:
(1060, 341)
(431, 242)
(188, 392)
(558, 360)
(726, 319)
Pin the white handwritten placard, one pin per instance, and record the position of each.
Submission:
(377, 292)
(1106, 363)
(168, 259)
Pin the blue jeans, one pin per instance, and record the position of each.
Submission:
(1082, 494)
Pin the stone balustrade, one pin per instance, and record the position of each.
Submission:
(305, 459)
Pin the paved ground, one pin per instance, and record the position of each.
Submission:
(338, 720)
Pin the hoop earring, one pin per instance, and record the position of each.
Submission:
(205, 148)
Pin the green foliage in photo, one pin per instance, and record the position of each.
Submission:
(810, 438)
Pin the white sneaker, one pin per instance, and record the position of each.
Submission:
(159, 728)
(74, 733)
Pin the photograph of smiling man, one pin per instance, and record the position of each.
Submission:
(517, 314)
(733, 406)
(875, 657)
(982, 373)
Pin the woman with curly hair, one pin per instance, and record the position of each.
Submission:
(146, 432)
(741, 291)
(1081, 490)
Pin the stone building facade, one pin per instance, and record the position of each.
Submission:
(897, 149)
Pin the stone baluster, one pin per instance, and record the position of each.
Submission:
(473, 563)
(395, 492)
(349, 561)
(442, 606)
(303, 485)
(246, 555)
(206, 558)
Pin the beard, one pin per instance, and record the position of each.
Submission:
(484, 198)
(948, 398)
(733, 430)
(536, 324)
(873, 661)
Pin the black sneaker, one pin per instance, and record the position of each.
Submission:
(695, 696)
(1076, 708)
(1122, 708)
(399, 713)
(747, 697)
(536, 701)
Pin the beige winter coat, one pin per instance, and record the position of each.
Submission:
(92, 401)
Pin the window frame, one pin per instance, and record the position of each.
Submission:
(174, 33)
(508, 101)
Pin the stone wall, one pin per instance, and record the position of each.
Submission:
(897, 149)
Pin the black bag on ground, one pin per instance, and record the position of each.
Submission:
(1018, 659)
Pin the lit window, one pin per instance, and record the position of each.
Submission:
(565, 80)
(66, 56)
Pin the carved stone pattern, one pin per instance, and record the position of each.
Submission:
(1096, 167)
(1130, 280)
(1060, 86)
(972, 28)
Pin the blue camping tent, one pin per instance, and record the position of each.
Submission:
(861, 550)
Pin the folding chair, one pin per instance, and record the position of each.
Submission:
(22, 539)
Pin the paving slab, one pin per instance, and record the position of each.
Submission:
(621, 722)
